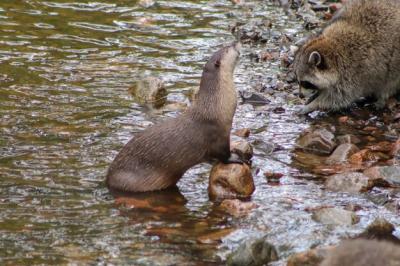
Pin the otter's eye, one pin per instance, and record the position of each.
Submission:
(217, 63)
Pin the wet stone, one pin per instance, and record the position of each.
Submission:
(150, 90)
(253, 252)
(237, 207)
(380, 229)
(312, 257)
(335, 216)
(390, 174)
(349, 182)
(230, 181)
(348, 139)
(243, 149)
(342, 153)
(320, 141)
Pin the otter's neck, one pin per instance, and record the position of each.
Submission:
(216, 99)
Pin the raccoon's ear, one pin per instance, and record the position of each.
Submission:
(315, 59)
(217, 63)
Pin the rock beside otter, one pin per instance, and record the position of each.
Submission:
(253, 252)
(150, 90)
(230, 181)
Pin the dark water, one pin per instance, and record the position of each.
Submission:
(65, 111)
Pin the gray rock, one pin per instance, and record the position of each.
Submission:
(150, 90)
(342, 153)
(319, 141)
(335, 216)
(349, 182)
(253, 252)
(390, 174)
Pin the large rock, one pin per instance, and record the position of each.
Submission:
(349, 182)
(312, 257)
(380, 229)
(363, 253)
(390, 174)
(150, 90)
(335, 216)
(253, 252)
(319, 141)
(342, 153)
(230, 181)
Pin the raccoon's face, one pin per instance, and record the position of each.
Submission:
(315, 72)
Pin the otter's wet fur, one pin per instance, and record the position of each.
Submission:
(363, 253)
(158, 157)
(357, 55)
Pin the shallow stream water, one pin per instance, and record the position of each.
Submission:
(65, 110)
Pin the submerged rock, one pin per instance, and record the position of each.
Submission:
(349, 182)
(390, 174)
(342, 153)
(237, 207)
(230, 181)
(319, 141)
(150, 90)
(335, 216)
(253, 252)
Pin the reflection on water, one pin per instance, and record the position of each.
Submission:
(65, 108)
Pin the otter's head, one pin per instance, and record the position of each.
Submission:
(223, 61)
(316, 71)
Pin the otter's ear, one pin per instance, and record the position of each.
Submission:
(218, 63)
(315, 59)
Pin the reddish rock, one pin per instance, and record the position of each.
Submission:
(230, 181)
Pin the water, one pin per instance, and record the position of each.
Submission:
(65, 107)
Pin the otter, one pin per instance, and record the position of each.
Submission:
(356, 55)
(157, 157)
(363, 253)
